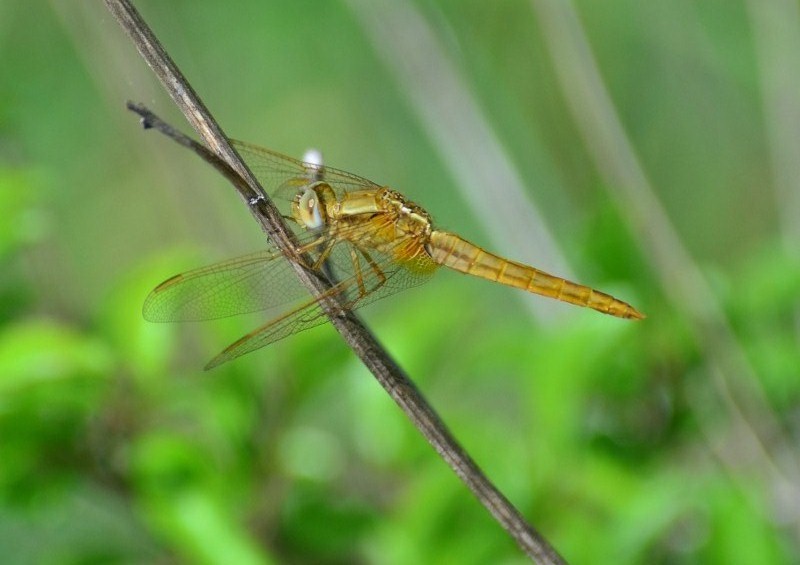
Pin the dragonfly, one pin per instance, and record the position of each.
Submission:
(368, 239)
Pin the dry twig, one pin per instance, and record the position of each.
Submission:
(383, 367)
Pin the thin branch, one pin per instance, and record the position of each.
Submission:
(377, 360)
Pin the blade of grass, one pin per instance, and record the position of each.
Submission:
(764, 446)
(462, 136)
(776, 30)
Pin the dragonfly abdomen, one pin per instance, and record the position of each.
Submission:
(459, 254)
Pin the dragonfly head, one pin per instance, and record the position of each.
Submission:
(308, 207)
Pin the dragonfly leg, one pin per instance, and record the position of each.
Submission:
(310, 246)
(357, 269)
(375, 268)
(323, 256)
(363, 292)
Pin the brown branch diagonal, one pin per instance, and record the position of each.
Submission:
(218, 152)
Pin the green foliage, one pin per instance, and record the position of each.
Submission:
(609, 436)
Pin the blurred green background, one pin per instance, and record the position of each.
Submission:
(656, 142)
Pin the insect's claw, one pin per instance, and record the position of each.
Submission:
(297, 257)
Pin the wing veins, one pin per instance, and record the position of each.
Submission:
(256, 277)
(310, 313)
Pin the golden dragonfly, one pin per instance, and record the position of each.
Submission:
(367, 238)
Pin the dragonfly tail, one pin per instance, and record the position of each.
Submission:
(459, 254)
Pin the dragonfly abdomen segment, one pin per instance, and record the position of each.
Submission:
(461, 255)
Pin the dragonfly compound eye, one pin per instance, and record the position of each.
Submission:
(310, 210)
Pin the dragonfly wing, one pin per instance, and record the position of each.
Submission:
(275, 171)
(363, 278)
(305, 316)
(372, 275)
(259, 281)
(250, 283)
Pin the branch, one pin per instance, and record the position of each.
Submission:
(391, 377)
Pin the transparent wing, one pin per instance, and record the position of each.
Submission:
(275, 171)
(363, 277)
(250, 283)
(245, 284)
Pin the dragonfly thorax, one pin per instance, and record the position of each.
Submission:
(409, 218)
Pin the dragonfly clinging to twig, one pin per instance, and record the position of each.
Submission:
(369, 238)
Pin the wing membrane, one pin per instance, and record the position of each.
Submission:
(274, 170)
(245, 284)
(371, 276)
(249, 283)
